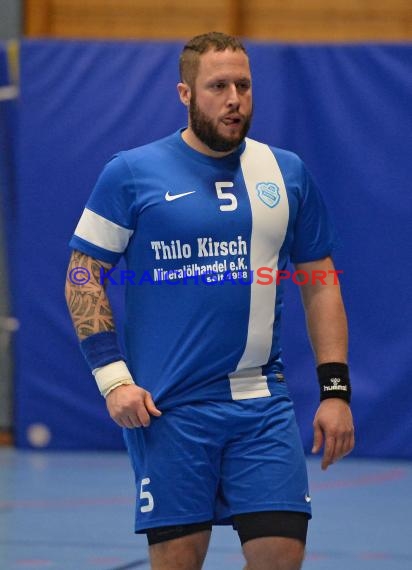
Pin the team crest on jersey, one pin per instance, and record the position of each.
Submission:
(268, 192)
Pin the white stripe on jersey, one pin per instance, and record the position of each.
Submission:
(102, 232)
(269, 227)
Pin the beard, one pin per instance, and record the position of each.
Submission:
(207, 132)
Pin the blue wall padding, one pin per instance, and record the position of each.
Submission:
(345, 109)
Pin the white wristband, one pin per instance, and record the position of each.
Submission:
(111, 376)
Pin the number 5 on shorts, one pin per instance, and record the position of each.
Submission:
(146, 495)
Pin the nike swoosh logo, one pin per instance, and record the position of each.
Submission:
(170, 197)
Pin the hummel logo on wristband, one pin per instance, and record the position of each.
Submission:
(335, 385)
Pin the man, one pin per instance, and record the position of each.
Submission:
(205, 218)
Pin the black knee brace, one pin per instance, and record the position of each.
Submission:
(163, 533)
(287, 524)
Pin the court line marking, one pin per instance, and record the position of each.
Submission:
(362, 481)
(130, 565)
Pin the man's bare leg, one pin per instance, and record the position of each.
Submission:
(184, 553)
(274, 553)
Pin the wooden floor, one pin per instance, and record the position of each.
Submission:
(74, 511)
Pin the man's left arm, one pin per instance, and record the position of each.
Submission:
(328, 333)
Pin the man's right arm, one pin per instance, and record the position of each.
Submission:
(128, 404)
(86, 296)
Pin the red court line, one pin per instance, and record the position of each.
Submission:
(67, 503)
(34, 563)
(363, 480)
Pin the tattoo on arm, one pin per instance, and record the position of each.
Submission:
(88, 304)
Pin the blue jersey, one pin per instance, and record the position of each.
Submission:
(196, 233)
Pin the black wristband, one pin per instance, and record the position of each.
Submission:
(334, 381)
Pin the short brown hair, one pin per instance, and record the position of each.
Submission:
(189, 58)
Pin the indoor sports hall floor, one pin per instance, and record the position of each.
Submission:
(74, 511)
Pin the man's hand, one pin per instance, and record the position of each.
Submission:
(333, 427)
(131, 406)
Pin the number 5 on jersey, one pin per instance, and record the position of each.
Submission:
(146, 496)
(228, 196)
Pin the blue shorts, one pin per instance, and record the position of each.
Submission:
(209, 461)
